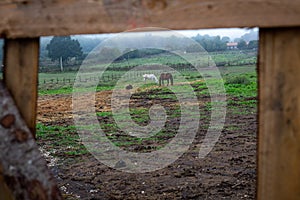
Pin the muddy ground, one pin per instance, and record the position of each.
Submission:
(227, 172)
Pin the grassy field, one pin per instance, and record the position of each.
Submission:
(231, 162)
(62, 83)
(229, 171)
(240, 83)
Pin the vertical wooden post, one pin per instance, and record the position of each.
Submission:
(5, 192)
(21, 76)
(279, 114)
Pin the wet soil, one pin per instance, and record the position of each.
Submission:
(227, 172)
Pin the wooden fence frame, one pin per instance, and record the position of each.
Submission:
(24, 21)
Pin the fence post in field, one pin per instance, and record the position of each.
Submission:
(21, 80)
(279, 114)
(21, 60)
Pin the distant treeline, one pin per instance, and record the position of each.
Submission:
(141, 53)
(211, 44)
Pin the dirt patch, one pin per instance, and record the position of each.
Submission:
(227, 172)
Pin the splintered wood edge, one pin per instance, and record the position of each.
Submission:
(22, 166)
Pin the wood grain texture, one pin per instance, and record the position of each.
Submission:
(34, 18)
(6, 193)
(22, 168)
(279, 115)
(21, 76)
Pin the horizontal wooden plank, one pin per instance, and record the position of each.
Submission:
(33, 18)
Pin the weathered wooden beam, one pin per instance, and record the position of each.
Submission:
(5, 192)
(279, 114)
(21, 76)
(23, 171)
(34, 18)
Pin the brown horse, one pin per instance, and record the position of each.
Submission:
(167, 77)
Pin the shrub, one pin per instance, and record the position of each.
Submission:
(238, 80)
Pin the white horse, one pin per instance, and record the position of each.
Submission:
(150, 77)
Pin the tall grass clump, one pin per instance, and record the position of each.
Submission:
(238, 80)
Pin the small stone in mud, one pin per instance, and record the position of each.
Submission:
(21, 135)
(7, 121)
(129, 87)
(120, 164)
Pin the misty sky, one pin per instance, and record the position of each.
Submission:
(230, 32)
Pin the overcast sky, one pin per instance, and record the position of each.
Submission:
(230, 32)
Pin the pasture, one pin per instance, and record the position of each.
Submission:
(227, 172)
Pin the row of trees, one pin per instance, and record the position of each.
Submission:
(216, 43)
(242, 44)
(64, 49)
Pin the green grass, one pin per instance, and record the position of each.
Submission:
(242, 90)
(60, 90)
(240, 84)
(238, 80)
(62, 139)
(233, 127)
(140, 115)
(104, 114)
(62, 83)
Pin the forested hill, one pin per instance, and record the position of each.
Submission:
(209, 43)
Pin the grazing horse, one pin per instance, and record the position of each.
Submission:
(150, 77)
(167, 77)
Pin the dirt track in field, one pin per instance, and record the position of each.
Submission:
(227, 172)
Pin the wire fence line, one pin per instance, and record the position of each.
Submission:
(105, 78)
(114, 75)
